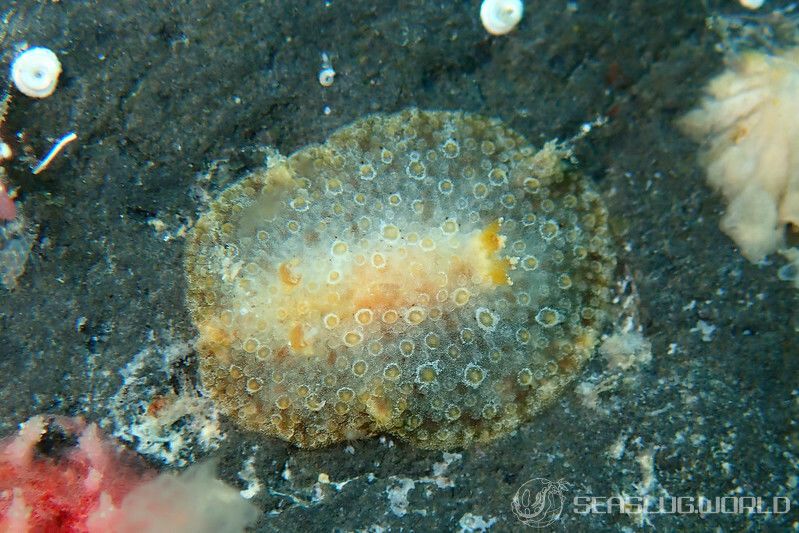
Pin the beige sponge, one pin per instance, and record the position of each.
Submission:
(749, 126)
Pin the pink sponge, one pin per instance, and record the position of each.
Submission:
(60, 474)
(8, 211)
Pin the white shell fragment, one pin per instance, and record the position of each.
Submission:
(35, 72)
(501, 16)
(752, 4)
(326, 77)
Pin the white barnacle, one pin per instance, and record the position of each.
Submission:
(501, 16)
(35, 72)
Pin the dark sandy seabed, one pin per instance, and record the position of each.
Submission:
(159, 91)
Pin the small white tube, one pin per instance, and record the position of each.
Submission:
(54, 151)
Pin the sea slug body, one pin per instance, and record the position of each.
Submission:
(425, 274)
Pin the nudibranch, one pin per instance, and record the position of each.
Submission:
(427, 275)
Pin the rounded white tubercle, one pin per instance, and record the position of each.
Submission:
(501, 16)
(35, 72)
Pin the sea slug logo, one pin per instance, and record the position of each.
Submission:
(539, 502)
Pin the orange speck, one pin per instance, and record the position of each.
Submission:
(282, 353)
(287, 276)
(158, 403)
(215, 335)
(490, 239)
(499, 271)
(492, 242)
(296, 338)
(379, 409)
(739, 133)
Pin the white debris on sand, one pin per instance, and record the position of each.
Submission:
(398, 495)
(158, 422)
(624, 351)
(470, 523)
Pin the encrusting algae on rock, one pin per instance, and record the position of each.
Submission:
(424, 274)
